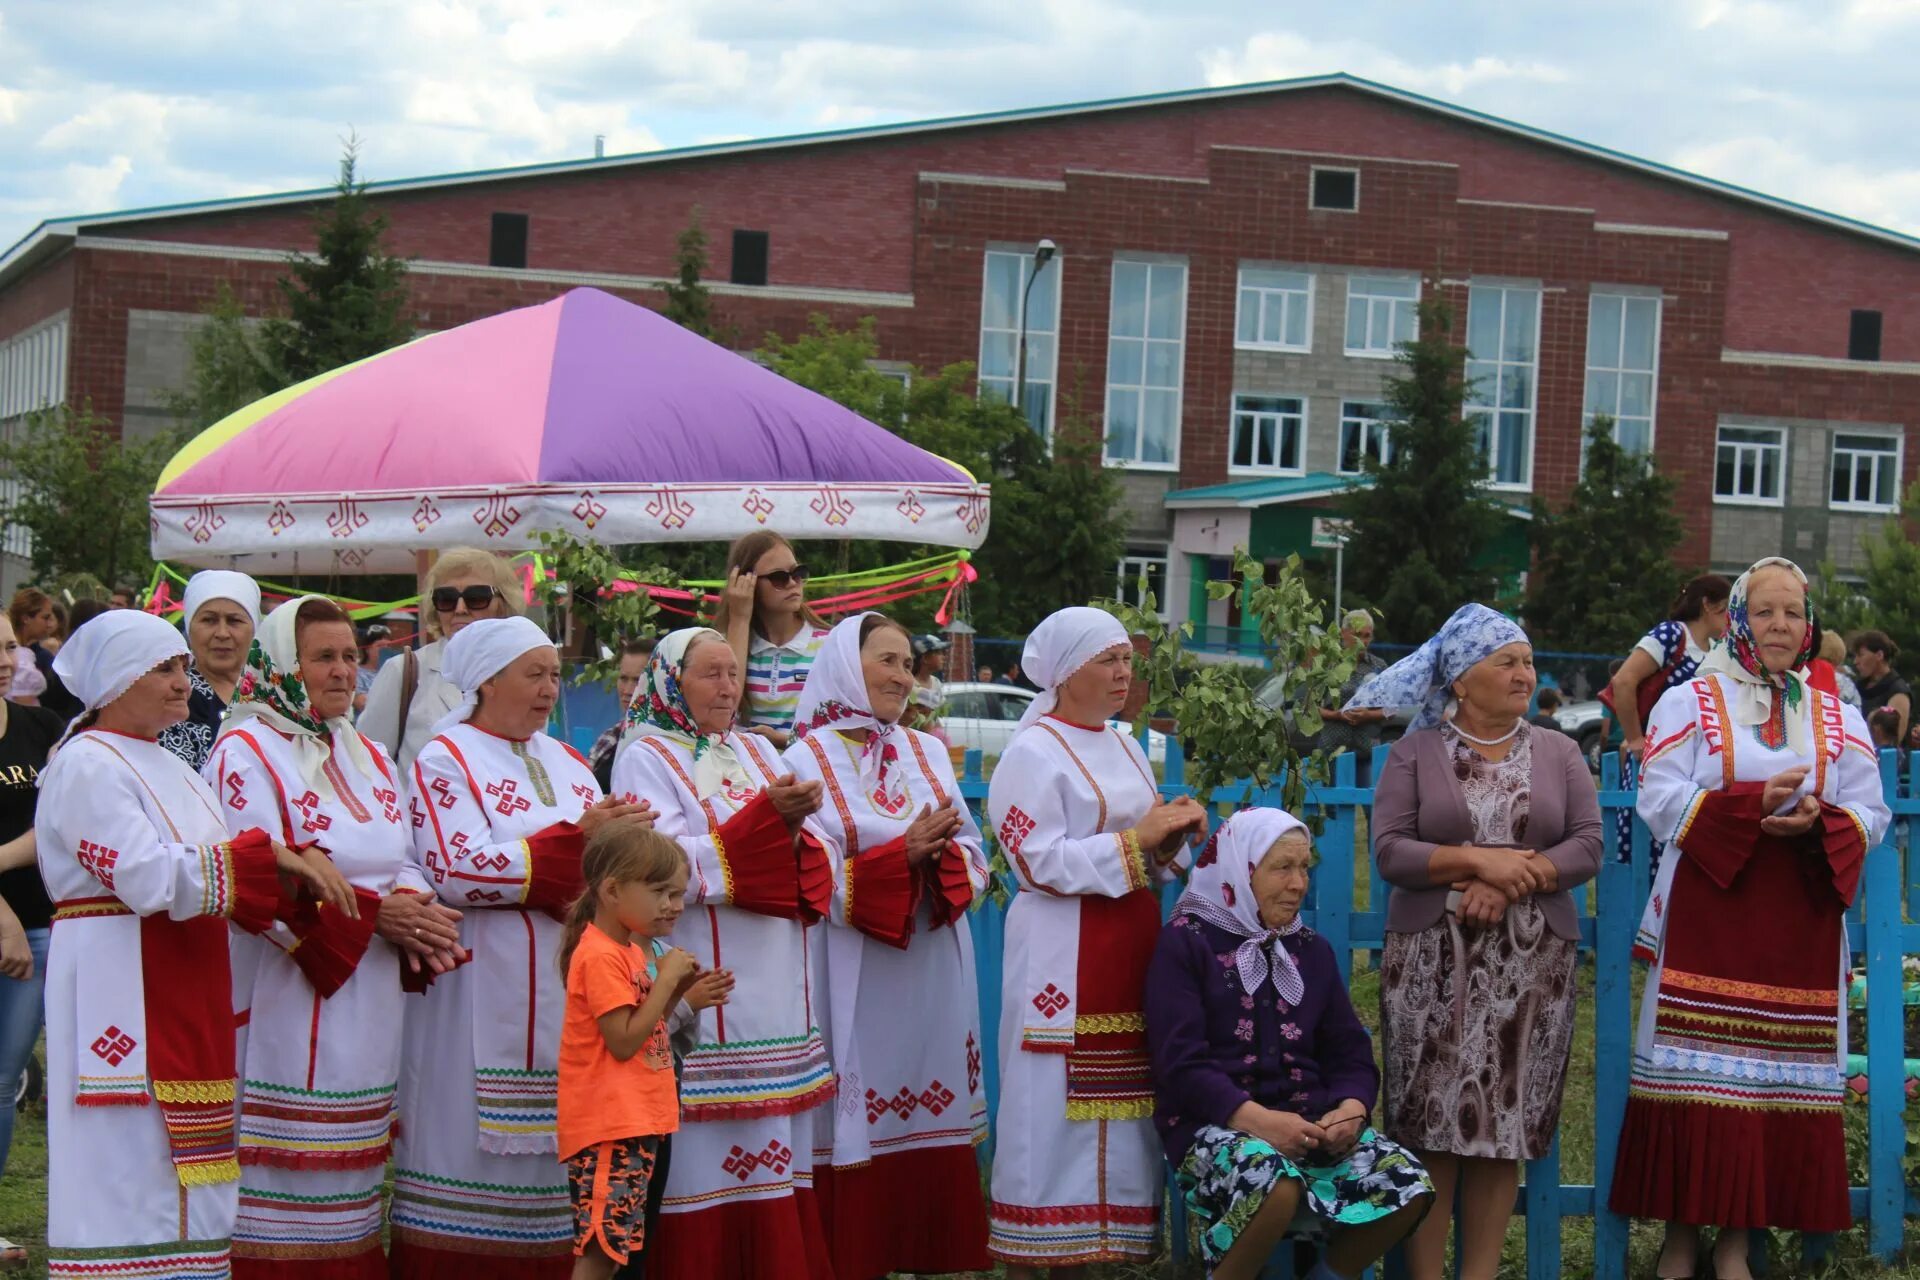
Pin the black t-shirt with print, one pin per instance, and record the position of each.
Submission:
(31, 733)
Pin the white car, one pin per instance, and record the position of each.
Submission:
(982, 717)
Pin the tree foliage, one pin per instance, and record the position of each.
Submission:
(1603, 564)
(348, 299)
(228, 367)
(1422, 528)
(82, 492)
(582, 574)
(689, 302)
(1888, 596)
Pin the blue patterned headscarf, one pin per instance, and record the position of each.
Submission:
(1424, 678)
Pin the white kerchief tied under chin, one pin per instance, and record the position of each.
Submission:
(1220, 892)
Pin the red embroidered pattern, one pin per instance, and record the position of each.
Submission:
(973, 1064)
(1050, 1001)
(936, 1098)
(236, 800)
(390, 805)
(444, 789)
(742, 1164)
(98, 861)
(507, 793)
(114, 1045)
(419, 814)
(1014, 830)
(311, 819)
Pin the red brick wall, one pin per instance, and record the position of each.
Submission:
(47, 291)
(840, 214)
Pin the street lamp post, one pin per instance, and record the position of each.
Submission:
(1042, 255)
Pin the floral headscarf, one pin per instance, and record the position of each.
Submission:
(1424, 678)
(271, 689)
(659, 706)
(835, 698)
(1759, 696)
(1220, 892)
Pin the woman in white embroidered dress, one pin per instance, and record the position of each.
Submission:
(500, 814)
(738, 1201)
(1771, 793)
(901, 1188)
(1077, 1168)
(321, 1048)
(141, 1061)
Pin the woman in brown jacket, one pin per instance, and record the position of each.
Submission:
(1481, 826)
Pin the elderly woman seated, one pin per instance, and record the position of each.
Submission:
(1264, 1078)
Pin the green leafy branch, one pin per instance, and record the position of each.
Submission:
(582, 575)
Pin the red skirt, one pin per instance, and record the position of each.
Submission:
(1751, 971)
(742, 1240)
(918, 1211)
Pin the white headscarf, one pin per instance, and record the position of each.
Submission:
(1737, 657)
(1220, 891)
(220, 584)
(101, 660)
(660, 707)
(481, 651)
(1064, 642)
(835, 698)
(271, 689)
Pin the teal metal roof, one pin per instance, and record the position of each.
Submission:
(1267, 491)
(72, 223)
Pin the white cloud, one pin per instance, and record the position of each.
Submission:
(1279, 55)
(1885, 197)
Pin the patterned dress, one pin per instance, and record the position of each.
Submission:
(1676, 658)
(1477, 1022)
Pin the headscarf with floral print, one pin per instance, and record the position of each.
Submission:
(1220, 891)
(272, 690)
(835, 698)
(660, 706)
(1776, 703)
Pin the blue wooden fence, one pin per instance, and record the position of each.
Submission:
(1610, 909)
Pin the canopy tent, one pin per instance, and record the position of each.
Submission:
(586, 414)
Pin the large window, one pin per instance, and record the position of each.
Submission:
(1749, 466)
(1623, 363)
(1128, 573)
(1275, 311)
(1146, 345)
(1268, 434)
(1002, 295)
(1503, 365)
(1381, 311)
(1364, 434)
(1866, 473)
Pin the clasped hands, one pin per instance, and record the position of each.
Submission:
(1798, 820)
(1324, 1142)
(1165, 829)
(1501, 877)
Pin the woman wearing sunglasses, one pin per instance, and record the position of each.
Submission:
(773, 634)
(410, 695)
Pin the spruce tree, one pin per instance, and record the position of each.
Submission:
(1420, 531)
(689, 304)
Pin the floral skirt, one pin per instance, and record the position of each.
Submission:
(1227, 1175)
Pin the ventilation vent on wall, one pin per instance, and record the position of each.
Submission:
(749, 257)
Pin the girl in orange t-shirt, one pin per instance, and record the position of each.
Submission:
(618, 1096)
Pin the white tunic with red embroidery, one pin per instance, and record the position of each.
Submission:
(1064, 1191)
(321, 1047)
(903, 1014)
(476, 1168)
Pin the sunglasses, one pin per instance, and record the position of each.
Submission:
(784, 578)
(447, 599)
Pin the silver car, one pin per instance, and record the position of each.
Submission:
(982, 717)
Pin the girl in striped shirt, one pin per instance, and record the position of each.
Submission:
(772, 632)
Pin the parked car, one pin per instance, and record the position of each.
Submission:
(1586, 723)
(982, 717)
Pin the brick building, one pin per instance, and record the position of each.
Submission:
(1232, 268)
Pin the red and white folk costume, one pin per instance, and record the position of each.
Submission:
(738, 1202)
(478, 1188)
(898, 1183)
(142, 1175)
(321, 1044)
(1733, 1118)
(1077, 1168)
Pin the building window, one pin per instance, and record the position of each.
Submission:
(1275, 310)
(1267, 434)
(1503, 363)
(1002, 293)
(33, 370)
(1748, 465)
(1364, 434)
(507, 246)
(749, 261)
(1623, 361)
(1382, 311)
(1131, 568)
(1866, 473)
(1336, 189)
(1146, 345)
(1863, 336)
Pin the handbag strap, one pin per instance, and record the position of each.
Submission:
(409, 685)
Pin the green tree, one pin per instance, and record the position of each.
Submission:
(1888, 595)
(229, 368)
(1603, 564)
(1421, 529)
(579, 587)
(82, 492)
(348, 299)
(689, 303)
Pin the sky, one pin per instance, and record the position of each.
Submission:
(114, 104)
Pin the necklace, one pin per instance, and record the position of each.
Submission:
(1486, 742)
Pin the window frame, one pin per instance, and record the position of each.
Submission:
(1493, 408)
(1052, 380)
(1152, 263)
(1126, 576)
(1240, 291)
(1896, 459)
(1619, 371)
(1392, 303)
(1384, 424)
(1783, 444)
(1313, 182)
(1235, 413)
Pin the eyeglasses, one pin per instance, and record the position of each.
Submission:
(784, 578)
(447, 599)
